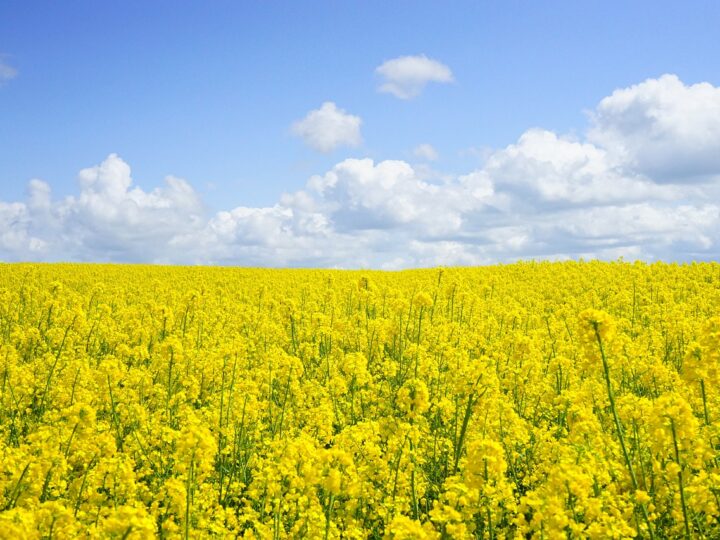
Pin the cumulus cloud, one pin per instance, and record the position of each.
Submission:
(359, 195)
(554, 169)
(405, 77)
(123, 221)
(546, 196)
(328, 128)
(426, 152)
(7, 72)
(662, 128)
(109, 220)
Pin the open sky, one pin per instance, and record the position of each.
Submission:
(353, 134)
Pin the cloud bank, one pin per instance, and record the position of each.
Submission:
(644, 182)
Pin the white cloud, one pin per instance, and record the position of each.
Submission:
(662, 128)
(426, 152)
(547, 196)
(108, 220)
(7, 72)
(328, 128)
(358, 194)
(14, 236)
(556, 169)
(406, 77)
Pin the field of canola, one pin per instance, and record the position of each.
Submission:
(534, 400)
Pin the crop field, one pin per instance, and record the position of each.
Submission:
(532, 400)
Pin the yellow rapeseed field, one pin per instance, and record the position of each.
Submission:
(533, 400)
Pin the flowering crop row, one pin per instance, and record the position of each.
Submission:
(533, 400)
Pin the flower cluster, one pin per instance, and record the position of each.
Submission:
(533, 400)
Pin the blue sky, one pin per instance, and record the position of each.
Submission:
(210, 92)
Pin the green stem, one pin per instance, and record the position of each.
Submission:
(704, 397)
(17, 490)
(328, 519)
(397, 470)
(188, 497)
(70, 440)
(680, 479)
(416, 510)
(618, 426)
(78, 501)
(466, 421)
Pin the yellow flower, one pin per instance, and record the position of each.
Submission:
(138, 401)
(423, 300)
(403, 528)
(413, 398)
